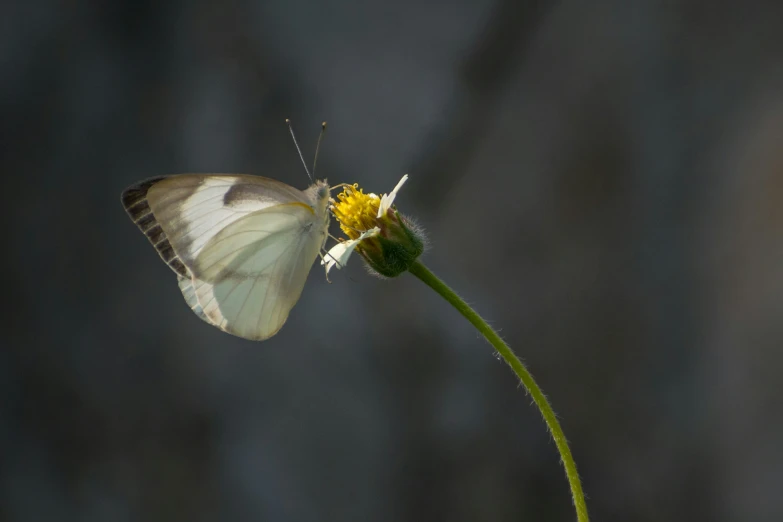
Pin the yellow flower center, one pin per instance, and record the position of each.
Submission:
(355, 210)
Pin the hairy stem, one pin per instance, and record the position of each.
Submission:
(431, 280)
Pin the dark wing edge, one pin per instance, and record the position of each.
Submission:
(134, 199)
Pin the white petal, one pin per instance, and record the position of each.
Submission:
(338, 255)
(388, 199)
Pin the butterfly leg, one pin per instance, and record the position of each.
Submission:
(341, 185)
(323, 262)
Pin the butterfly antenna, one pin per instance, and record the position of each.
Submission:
(291, 130)
(318, 145)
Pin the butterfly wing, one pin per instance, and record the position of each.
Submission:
(250, 275)
(189, 293)
(242, 246)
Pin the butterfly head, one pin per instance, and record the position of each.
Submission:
(321, 190)
(319, 194)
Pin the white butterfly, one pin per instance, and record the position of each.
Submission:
(242, 246)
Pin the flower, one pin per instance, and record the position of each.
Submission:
(387, 241)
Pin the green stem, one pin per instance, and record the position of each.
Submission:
(431, 280)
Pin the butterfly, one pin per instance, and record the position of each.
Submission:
(241, 246)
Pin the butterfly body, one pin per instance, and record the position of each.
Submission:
(241, 246)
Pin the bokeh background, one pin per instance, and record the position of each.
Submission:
(602, 180)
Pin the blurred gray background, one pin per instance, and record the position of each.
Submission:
(602, 180)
